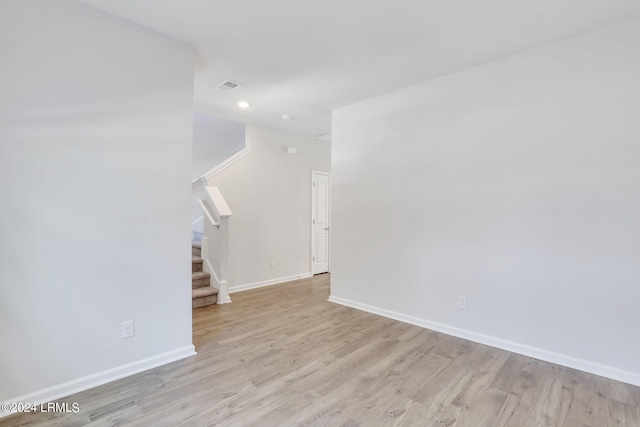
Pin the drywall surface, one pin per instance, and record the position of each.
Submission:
(96, 125)
(214, 140)
(269, 193)
(515, 184)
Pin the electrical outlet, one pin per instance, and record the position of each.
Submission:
(272, 264)
(462, 302)
(127, 329)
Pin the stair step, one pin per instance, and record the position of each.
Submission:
(200, 274)
(196, 249)
(200, 279)
(202, 297)
(196, 263)
(203, 292)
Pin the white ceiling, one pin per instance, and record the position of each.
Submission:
(305, 58)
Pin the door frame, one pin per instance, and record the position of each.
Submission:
(313, 205)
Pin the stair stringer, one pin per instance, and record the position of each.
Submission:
(214, 280)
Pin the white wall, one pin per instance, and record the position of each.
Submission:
(214, 140)
(95, 154)
(269, 193)
(515, 183)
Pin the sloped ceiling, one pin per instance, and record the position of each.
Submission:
(305, 58)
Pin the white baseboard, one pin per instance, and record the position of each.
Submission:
(269, 282)
(196, 221)
(537, 353)
(226, 163)
(219, 284)
(207, 267)
(71, 387)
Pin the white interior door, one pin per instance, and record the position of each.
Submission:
(320, 222)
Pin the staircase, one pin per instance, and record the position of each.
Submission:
(202, 294)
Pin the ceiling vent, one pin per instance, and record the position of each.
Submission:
(228, 86)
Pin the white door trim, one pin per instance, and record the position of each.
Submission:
(311, 223)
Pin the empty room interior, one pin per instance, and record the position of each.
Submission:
(322, 213)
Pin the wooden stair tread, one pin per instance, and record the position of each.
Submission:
(196, 259)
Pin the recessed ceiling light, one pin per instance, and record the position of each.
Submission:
(243, 104)
(286, 117)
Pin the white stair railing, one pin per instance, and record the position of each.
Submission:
(215, 241)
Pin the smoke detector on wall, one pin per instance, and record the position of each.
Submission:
(228, 86)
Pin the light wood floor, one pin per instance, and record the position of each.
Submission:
(284, 356)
